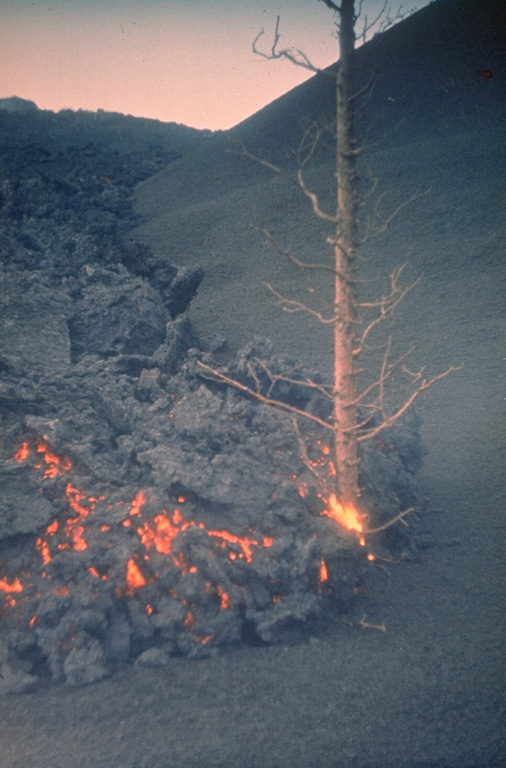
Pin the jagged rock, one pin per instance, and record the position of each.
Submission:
(117, 314)
(85, 665)
(147, 510)
(15, 680)
(153, 657)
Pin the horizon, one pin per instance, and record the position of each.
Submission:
(161, 61)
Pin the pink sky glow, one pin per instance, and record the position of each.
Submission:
(188, 62)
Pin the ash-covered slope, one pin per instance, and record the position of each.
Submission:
(434, 123)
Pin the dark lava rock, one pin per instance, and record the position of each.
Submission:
(147, 510)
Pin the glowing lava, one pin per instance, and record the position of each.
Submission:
(135, 552)
(15, 586)
(55, 465)
(134, 578)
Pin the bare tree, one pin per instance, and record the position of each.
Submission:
(357, 415)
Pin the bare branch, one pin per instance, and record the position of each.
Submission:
(386, 305)
(298, 182)
(297, 262)
(303, 450)
(396, 519)
(331, 5)
(307, 383)
(386, 370)
(374, 229)
(364, 89)
(390, 420)
(294, 55)
(368, 25)
(311, 136)
(367, 624)
(292, 305)
(257, 395)
(313, 197)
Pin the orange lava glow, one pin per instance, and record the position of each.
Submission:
(346, 515)
(55, 465)
(137, 504)
(43, 548)
(134, 578)
(156, 533)
(224, 599)
(243, 542)
(161, 535)
(15, 586)
(22, 453)
(189, 621)
(61, 591)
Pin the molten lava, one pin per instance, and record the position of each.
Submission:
(134, 578)
(16, 586)
(22, 453)
(55, 465)
(160, 534)
(143, 554)
(155, 533)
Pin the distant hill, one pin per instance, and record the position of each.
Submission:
(16, 104)
(148, 144)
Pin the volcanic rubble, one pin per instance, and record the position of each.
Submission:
(146, 510)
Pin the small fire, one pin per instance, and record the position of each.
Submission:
(346, 515)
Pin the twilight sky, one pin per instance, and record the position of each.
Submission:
(187, 61)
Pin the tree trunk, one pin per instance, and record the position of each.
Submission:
(345, 374)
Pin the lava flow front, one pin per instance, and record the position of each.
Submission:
(108, 581)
